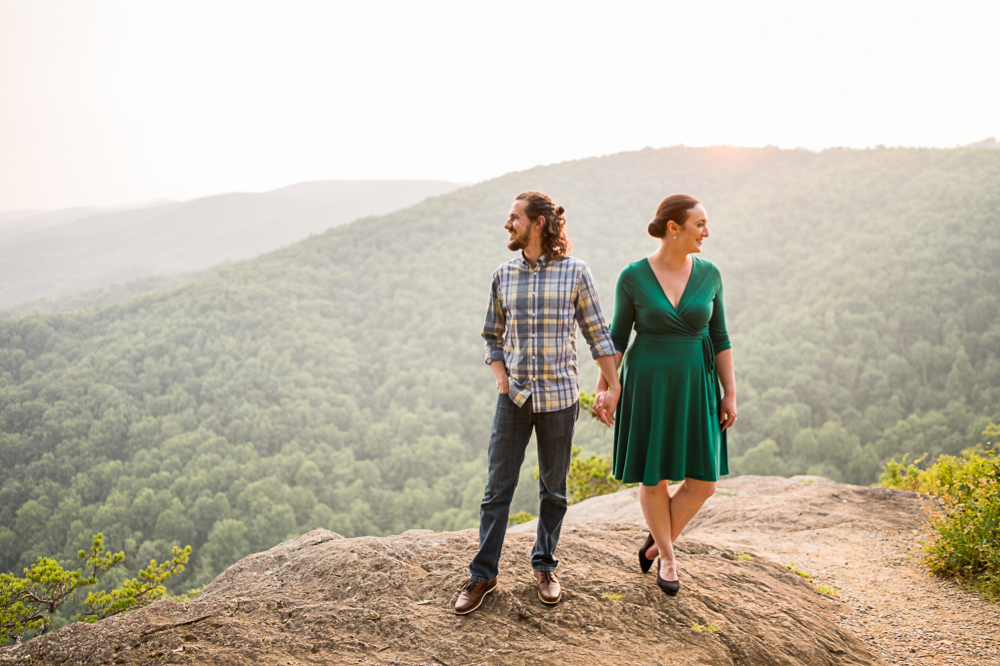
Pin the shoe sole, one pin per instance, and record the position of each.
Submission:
(550, 603)
(481, 600)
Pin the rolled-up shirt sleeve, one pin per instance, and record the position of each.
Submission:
(495, 325)
(589, 317)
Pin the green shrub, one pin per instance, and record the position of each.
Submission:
(590, 477)
(964, 519)
(28, 604)
(520, 517)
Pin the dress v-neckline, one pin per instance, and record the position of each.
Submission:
(663, 291)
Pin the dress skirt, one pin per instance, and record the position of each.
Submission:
(667, 420)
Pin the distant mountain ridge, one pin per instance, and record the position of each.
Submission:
(985, 143)
(58, 253)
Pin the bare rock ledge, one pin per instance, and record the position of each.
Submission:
(324, 599)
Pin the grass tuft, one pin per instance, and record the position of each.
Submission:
(710, 628)
(794, 568)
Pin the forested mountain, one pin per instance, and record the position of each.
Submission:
(339, 382)
(58, 253)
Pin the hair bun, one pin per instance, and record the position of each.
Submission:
(559, 211)
(672, 209)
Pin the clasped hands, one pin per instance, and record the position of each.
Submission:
(604, 406)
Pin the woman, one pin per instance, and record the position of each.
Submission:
(671, 419)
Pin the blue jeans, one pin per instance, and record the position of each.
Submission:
(512, 426)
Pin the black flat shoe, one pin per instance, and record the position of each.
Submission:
(645, 562)
(670, 587)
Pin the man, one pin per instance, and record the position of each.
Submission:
(536, 302)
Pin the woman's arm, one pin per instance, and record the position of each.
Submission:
(723, 357)
(727, 377)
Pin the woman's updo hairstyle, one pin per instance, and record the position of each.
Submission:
(672, 209)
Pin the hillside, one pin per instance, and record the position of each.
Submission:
(323, 599)
(339, 383)
(58, 253)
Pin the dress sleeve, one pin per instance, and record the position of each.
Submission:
(717, 324)
(624, 318)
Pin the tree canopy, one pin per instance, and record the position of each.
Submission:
(339, 382)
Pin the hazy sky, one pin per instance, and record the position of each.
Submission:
(110, 102)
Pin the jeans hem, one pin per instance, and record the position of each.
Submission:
(476, 579)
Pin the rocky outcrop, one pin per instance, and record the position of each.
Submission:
(323, 599)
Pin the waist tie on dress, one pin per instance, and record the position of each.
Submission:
(708, 354)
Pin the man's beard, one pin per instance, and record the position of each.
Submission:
(519, 242)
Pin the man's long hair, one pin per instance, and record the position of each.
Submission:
(554, 241)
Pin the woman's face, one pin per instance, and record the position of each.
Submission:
(693, 233)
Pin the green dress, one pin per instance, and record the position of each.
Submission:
(667, 421)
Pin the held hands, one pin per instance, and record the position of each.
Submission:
(604, 406)
(727, 409)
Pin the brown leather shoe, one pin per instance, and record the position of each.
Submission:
(472, 594)
(549, 590)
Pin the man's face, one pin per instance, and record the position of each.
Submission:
(519, 227)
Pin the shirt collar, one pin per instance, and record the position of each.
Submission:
(542, 260)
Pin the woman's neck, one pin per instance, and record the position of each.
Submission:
(668, 258)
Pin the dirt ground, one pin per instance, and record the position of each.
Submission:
(322, 599)
(870, 552)
(863, 542)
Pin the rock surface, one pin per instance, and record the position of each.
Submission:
(323, 599)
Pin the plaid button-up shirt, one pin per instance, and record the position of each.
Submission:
(531, 326)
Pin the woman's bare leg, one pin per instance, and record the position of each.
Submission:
(655, 502)
(685, 502)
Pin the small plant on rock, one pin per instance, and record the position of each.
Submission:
(710, 628)
(794, 568)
